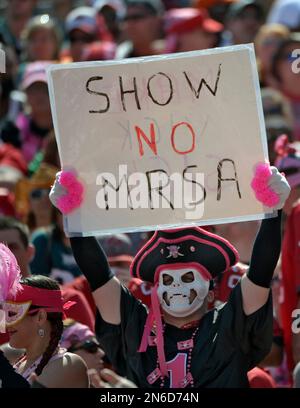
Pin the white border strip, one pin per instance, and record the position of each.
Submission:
(2, 62)
(144, 228)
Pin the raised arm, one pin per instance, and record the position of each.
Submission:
(91, 259)
(93, 263)
(266, 250)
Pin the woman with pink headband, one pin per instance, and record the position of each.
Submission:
(32, 313)
(178, 343)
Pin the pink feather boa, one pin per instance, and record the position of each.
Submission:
(10, 274)
(259, 184)
(74, 192)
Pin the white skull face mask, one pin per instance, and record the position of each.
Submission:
(181, 292)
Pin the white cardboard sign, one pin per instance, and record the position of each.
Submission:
(193, 118)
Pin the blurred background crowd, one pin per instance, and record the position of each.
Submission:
(36, 33)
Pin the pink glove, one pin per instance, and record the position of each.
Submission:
(270, 187)
(67, 192)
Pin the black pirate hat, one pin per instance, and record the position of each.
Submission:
(182, 246)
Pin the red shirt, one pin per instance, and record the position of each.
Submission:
(141, 290)
(81, 311)
(81, 285)
(290, 283)
(227, 282)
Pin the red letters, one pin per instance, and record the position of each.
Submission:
(152, 142)
(173, 135)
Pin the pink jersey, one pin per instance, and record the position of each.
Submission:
(31, 142)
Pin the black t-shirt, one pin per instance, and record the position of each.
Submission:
(9, 378)
(227, 345)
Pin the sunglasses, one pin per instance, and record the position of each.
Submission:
(38, 193)
(91, 346)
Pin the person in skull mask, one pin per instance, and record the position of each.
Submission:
(178, 343)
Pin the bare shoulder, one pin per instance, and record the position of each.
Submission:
(11, 353)
(73, 360)
(67, 371)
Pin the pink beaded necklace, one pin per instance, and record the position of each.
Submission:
(181, 345)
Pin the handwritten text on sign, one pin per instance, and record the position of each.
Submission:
(160, 141)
